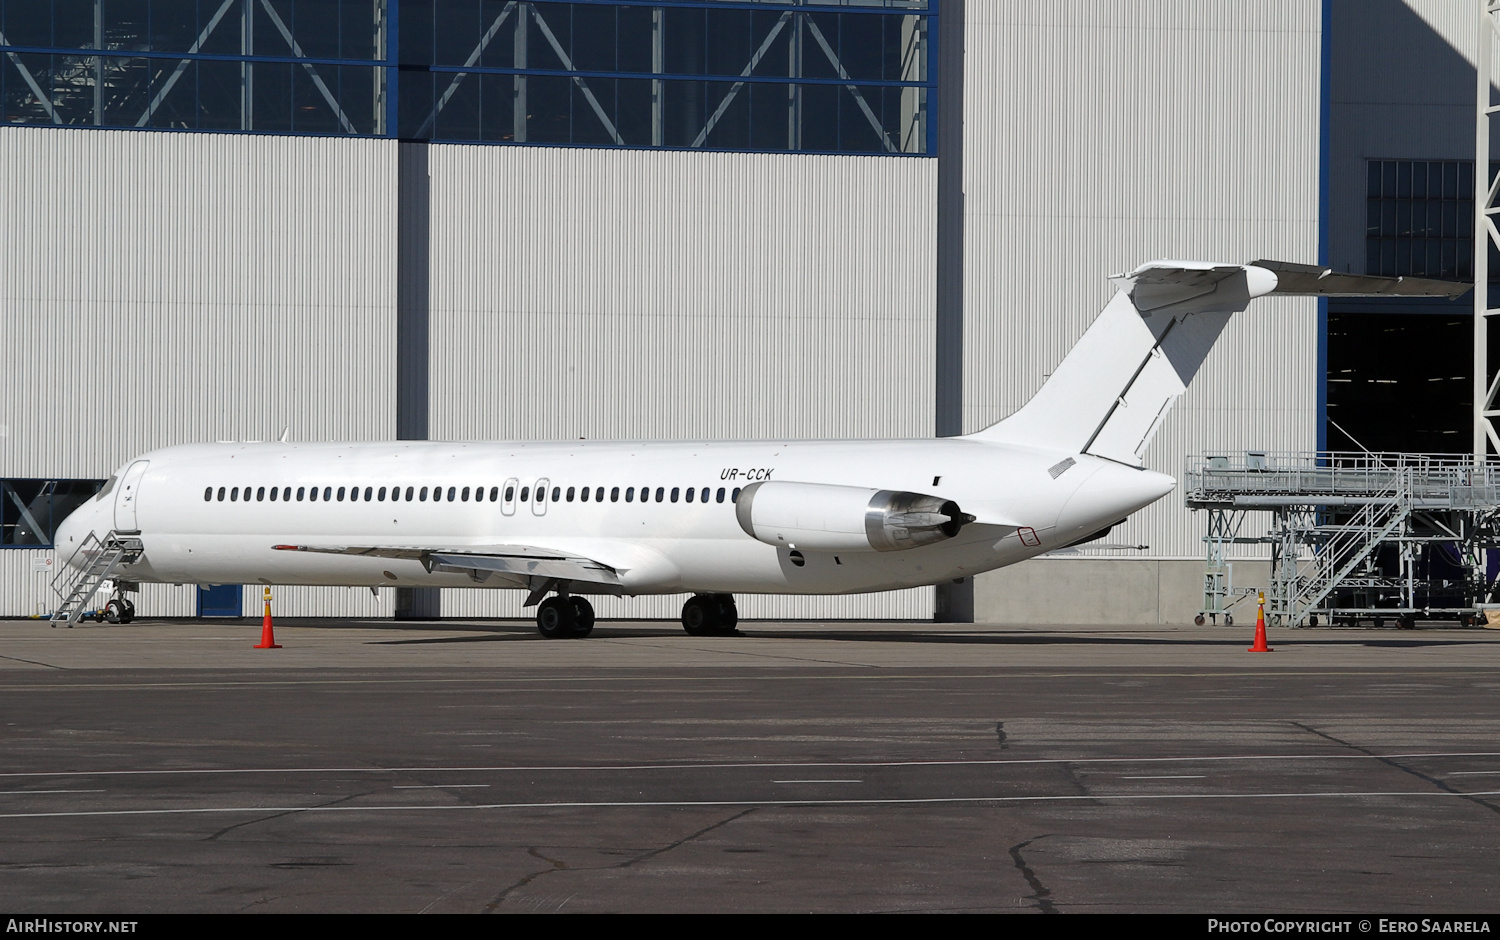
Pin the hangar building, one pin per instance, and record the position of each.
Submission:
(235, 220)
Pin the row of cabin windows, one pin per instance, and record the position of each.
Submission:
(329, 494)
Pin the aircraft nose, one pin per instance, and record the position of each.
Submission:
(71, 532)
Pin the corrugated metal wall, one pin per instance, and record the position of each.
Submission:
(1101, 136)
(167, 288)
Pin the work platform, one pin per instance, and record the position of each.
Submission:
(1354, 536)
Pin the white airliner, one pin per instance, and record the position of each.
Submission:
(710, 518)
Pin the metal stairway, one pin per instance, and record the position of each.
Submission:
(76, 586)
(1354, 536)
(1298, 589)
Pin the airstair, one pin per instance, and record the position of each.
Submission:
(77, 586)
(1353, 536)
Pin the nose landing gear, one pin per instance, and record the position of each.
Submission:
(710, 615)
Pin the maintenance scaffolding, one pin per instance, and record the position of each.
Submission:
(1354, 536)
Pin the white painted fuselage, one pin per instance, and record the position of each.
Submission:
(216, 513)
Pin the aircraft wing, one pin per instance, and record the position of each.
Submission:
(521, 561)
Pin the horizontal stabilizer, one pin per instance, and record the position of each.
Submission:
(1311, 280)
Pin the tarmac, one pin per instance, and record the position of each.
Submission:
(464, 766)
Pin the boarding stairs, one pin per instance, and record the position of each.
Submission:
(77, 586)
(1353, 535)
(1300, 586)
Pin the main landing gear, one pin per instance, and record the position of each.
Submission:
(710, 615)
(564, 616)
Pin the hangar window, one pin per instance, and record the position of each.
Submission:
(1420, 219)
(841, 76)
(30, 510)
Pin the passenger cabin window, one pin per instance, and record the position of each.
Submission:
(659, 494)
(675, 491)
(525, 493)
(341, 494)
(328, 493)
(208, 494)
(614, 494)
(221, 494)
(704, 498)
(510, 493)
(273, 494)
(629, 494)
(583, 494)
(409, 490)
(494, 493)
(556, 493)
(735, 496)
(422, 495)
(464, 496)
(688, 494)
(570, 494)
(234, 494)
(451, 491)
(599, 495)
(720, 497)
(380, 494)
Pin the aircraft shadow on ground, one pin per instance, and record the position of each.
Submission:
(491, 633)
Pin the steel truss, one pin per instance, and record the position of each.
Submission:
(76, 77)
(793, 28)
(1353, 536)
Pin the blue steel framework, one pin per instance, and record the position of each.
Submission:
(762, 75)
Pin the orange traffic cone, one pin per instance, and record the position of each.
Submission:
(267, 636)
(1260, 629)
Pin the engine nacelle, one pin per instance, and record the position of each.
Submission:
(819, 517)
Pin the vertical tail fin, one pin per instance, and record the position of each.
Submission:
(1111, 392)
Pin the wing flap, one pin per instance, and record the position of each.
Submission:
(524, 561)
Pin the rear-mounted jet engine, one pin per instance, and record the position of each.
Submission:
(820, 517)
